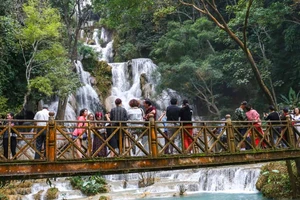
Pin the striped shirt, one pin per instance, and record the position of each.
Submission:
(118, 114)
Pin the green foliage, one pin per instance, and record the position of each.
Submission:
(3, 197)
(188, 39)
(48, 69)
(42, 22)
(126, 51)
(89, 185)
(12, 77)
(42, 84)
(292, 100)
(89, 57)
(116, 12)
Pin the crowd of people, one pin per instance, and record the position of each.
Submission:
(140, 112)
(136, 114)
(246, 114)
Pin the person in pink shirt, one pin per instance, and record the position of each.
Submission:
(78, 133)
(253, 116)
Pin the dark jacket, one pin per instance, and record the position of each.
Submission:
(186, 113)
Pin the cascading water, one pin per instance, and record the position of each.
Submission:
(127, 80)
(86, 96)
(229, 179)
(103, 44)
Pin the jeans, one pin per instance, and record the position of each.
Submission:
(40, 141)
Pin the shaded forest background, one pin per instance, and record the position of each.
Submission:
(196, 47)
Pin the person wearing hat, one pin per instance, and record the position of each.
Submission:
(41, 118)
(185, 114)
(240, 116)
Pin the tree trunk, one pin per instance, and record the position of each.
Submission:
(61, 108)
(292, 178)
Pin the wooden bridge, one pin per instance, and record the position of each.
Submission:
(142, 147)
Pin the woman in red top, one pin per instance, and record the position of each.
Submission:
(78, 133)
(254, 117)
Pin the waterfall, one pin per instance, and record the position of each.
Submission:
(229, 179)
(86, 96)
(126, 80)
(103, 44)
(238, 179)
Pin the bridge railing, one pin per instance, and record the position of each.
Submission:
(144, 139)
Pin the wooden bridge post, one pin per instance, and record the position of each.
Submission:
(51, 148)
(290, 132)
(153, 136)
(230, 134)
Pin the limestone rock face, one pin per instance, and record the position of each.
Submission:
(145, 86)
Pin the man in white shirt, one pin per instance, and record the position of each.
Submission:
(41, 116)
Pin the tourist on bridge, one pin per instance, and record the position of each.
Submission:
(98, 139)
(149, 110)
(284, 130)
(273, 115)
(185, 114)
(135, 113)
(296, 119)
(41, 117)
(118, 114)
(240, 116)
(12, 140)
(254, 117)
(172, 114)
(113, 144)
(79, 133)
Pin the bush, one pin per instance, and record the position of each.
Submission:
(89, 185)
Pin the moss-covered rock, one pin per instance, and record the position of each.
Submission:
(15, 189)
(274, 181)
(52, 193)
(103, 75)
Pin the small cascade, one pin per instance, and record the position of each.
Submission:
(222, 179)
(137, 79)
(103, 44)
(64, 187)
(127, 79)
(86, 96)
(229, 179)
